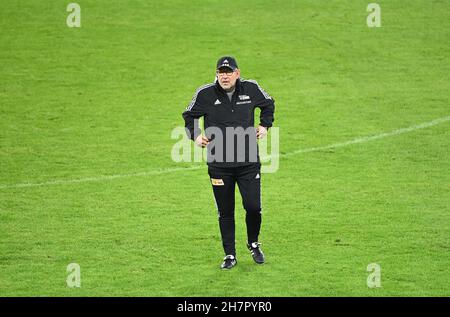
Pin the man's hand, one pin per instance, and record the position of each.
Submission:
(261, 132)
(201, 141)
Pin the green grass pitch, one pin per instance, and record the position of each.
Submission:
(86, 116)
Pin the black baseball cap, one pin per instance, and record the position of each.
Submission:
(227, 61)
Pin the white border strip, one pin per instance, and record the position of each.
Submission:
(179, 169)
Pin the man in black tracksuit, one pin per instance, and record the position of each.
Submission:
(227, 106)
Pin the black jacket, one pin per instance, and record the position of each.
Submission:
(212, 102)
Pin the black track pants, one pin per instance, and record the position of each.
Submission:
(223, 181)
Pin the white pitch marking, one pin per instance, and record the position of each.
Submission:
(100, 178)
(369, 138)
(173, 170)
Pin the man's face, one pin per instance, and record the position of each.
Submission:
(227, 78)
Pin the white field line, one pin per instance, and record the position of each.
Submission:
(100, 178)
(179, 169)
(370, 138)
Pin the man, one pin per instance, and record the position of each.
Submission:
(227, 106)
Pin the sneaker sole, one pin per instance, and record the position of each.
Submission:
(228, 268)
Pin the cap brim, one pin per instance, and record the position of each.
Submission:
(227, 66)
